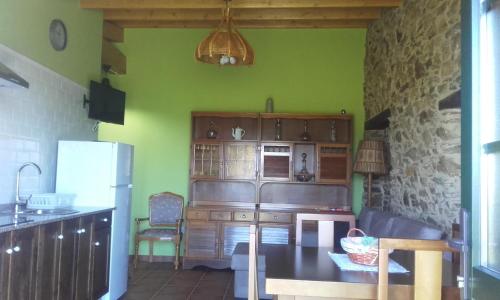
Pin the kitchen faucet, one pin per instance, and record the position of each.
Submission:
(18, 198)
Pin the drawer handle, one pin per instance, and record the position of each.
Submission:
(60, 237)
(105, 220)
(16, 249)
(9, 251)
(275, 217)
(97, 244)
(243, 216)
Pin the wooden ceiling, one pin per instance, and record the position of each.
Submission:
(247, 13)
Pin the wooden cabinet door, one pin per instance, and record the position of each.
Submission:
(47, 261)
(100, 279)
(5, 244)
(22, 264)
(83, 258)
(67, 258)
(275, 234)
(232, 234)
(202, 240)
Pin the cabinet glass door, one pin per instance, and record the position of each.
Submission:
(207, 160)
(334, 163)
(239, 161)
(276, 162)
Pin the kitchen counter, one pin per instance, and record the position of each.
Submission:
(35, 220)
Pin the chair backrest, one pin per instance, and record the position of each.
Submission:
(325, 228)
(428, 266)
(165, 209)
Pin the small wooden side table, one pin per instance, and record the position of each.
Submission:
(326, 221)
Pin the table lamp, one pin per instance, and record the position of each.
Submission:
(370, 160)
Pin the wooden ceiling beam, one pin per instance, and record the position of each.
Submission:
(112, 32)
(214, 4)
(243, 14)
(249, 24)
(113, 58)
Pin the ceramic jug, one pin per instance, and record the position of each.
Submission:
(238, 133)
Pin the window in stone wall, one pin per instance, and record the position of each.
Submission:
(489, 137)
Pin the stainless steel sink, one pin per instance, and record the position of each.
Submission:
(12, 220)
(40, 212)
(55, 211)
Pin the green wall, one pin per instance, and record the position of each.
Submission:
(317, 71)
(24, 27)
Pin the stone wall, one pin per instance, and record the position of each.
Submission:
(412, 62)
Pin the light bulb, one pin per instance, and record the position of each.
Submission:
(224, 60)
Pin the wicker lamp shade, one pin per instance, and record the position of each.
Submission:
(370, 158)
(225, 46)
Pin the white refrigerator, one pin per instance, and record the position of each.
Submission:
(100, 174)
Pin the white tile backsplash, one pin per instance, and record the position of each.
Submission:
(33, 120)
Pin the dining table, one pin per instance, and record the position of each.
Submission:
(306, 273)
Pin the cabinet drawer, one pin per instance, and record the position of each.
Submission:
(103, 220)
(245, 216)
(220, 215)
(275, 217)
(197, 215)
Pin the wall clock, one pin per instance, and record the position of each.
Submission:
(57, 35)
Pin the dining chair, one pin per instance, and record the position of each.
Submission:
(253, 288)
(428, 266)
(165, 220)
(325, 227)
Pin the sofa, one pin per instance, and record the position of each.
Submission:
(386, 225)
(373, 222)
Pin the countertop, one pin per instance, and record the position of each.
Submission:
(36, 220)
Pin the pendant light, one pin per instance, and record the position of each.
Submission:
(225, 45)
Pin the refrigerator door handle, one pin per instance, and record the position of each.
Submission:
(122, 185)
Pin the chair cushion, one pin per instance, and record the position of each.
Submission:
(161, 234)
(407, 228)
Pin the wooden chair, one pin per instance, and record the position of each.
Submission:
(253, 288)
(325, 227)
(165, 220)
(428, 266)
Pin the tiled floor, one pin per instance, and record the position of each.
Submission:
(160, 281)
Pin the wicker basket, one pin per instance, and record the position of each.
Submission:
(357, 252)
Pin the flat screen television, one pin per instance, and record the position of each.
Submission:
(106, 104)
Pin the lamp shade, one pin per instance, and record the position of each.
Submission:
(225, 46)
(370, 158)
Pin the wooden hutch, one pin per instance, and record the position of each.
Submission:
(229, 178)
